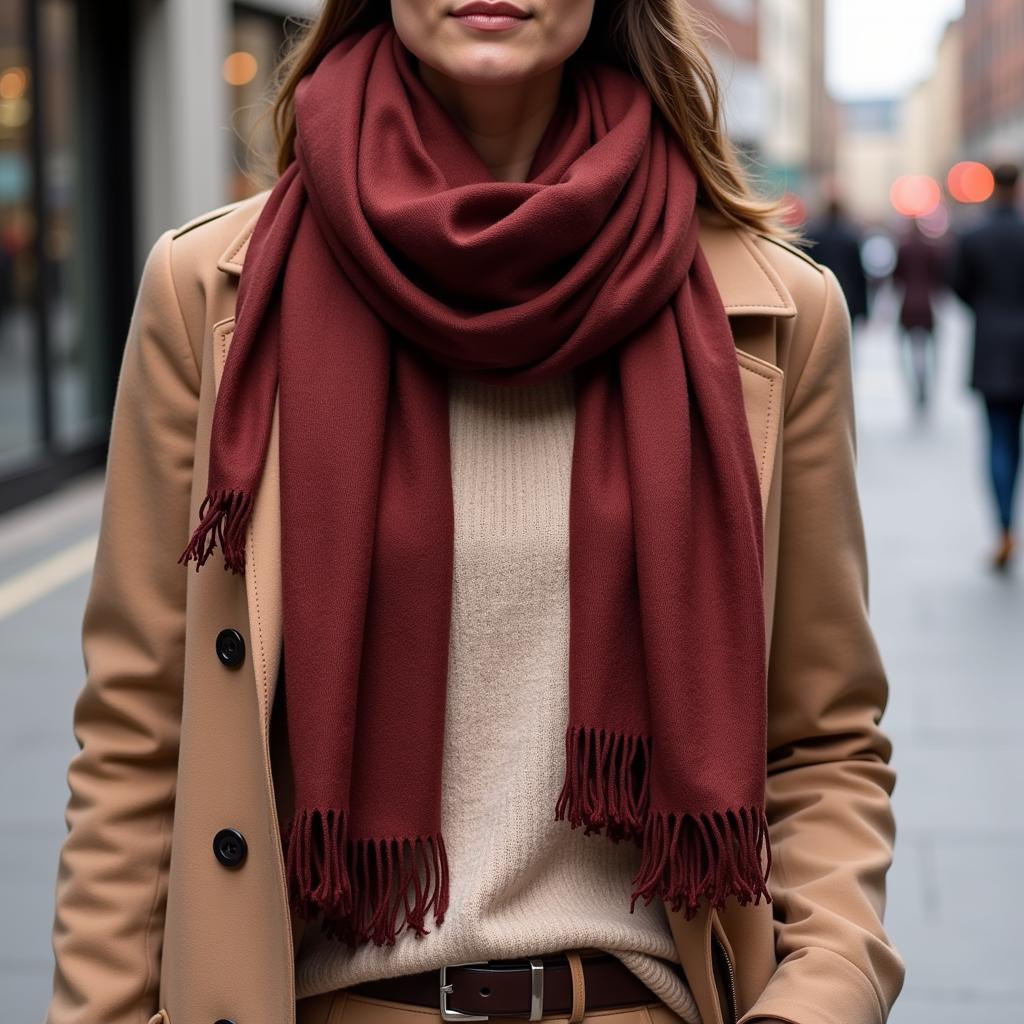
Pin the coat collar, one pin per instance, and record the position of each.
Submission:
(747, 282)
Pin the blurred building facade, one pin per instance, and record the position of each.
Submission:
(98, 155)
(771, 60)
(823, 111)
(797, 150)
(735, 52)
(993, 78)
(931, 122)
(920, 134)
(869, 157)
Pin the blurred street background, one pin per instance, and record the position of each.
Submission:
(879, 122)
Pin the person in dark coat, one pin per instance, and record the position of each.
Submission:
(921, 273)
(835, 243)
(988, 275)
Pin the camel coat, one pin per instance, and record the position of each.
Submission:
(175, 744)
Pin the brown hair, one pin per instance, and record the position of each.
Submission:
(659, 41)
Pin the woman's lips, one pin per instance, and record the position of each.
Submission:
(489, 22)
(490, 17)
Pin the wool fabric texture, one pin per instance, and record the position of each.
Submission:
(386, 255)
(522, 884)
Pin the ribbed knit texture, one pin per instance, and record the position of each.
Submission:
(521, 883)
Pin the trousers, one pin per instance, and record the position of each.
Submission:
(342, 1007)
(1004, 418)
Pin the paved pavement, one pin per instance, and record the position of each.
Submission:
(950, 633)
(952, 638)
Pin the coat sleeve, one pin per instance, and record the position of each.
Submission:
(112, 875)
(829, 779)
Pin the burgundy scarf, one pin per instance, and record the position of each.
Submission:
(386, 254)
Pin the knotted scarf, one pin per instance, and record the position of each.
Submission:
(386, 255)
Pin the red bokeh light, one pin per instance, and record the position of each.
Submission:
(970, 182)
(915, 195)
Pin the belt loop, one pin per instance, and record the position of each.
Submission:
(536, 988)
(579, 988)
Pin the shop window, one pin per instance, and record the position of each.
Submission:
(78, 369)
(20, 413)
(54, 372)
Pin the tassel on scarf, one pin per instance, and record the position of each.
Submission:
(317, 874)
(688, 858)
(373, 889)
(223, 519)
(607, 782)
(685, 858)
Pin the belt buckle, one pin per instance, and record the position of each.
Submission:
(536, 992)
(446, 990)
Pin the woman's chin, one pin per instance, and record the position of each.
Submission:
(486, 64)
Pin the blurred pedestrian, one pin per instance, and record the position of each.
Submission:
(988, 274)
(920, 272)
(836, 244)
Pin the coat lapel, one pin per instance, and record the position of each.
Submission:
(754, 297)
(263, 550)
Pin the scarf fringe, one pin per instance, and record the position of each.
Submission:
(607, 782)
(688, 858)
(373, 889)
(223, 519)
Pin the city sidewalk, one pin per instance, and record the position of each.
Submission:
(952, 639)
(949, 630)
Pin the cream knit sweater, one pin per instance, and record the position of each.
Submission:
(522, 884)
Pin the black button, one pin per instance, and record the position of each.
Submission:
(230, 648)
(230, 847)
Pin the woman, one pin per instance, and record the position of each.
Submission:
(920, 271)
(507, 365)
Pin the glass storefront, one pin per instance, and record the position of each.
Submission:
(78, 367)
(62, 284)
(69, 98)
(20, 414)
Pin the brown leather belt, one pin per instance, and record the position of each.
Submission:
(514, 988)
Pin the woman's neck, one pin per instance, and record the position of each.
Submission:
(503, 123)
